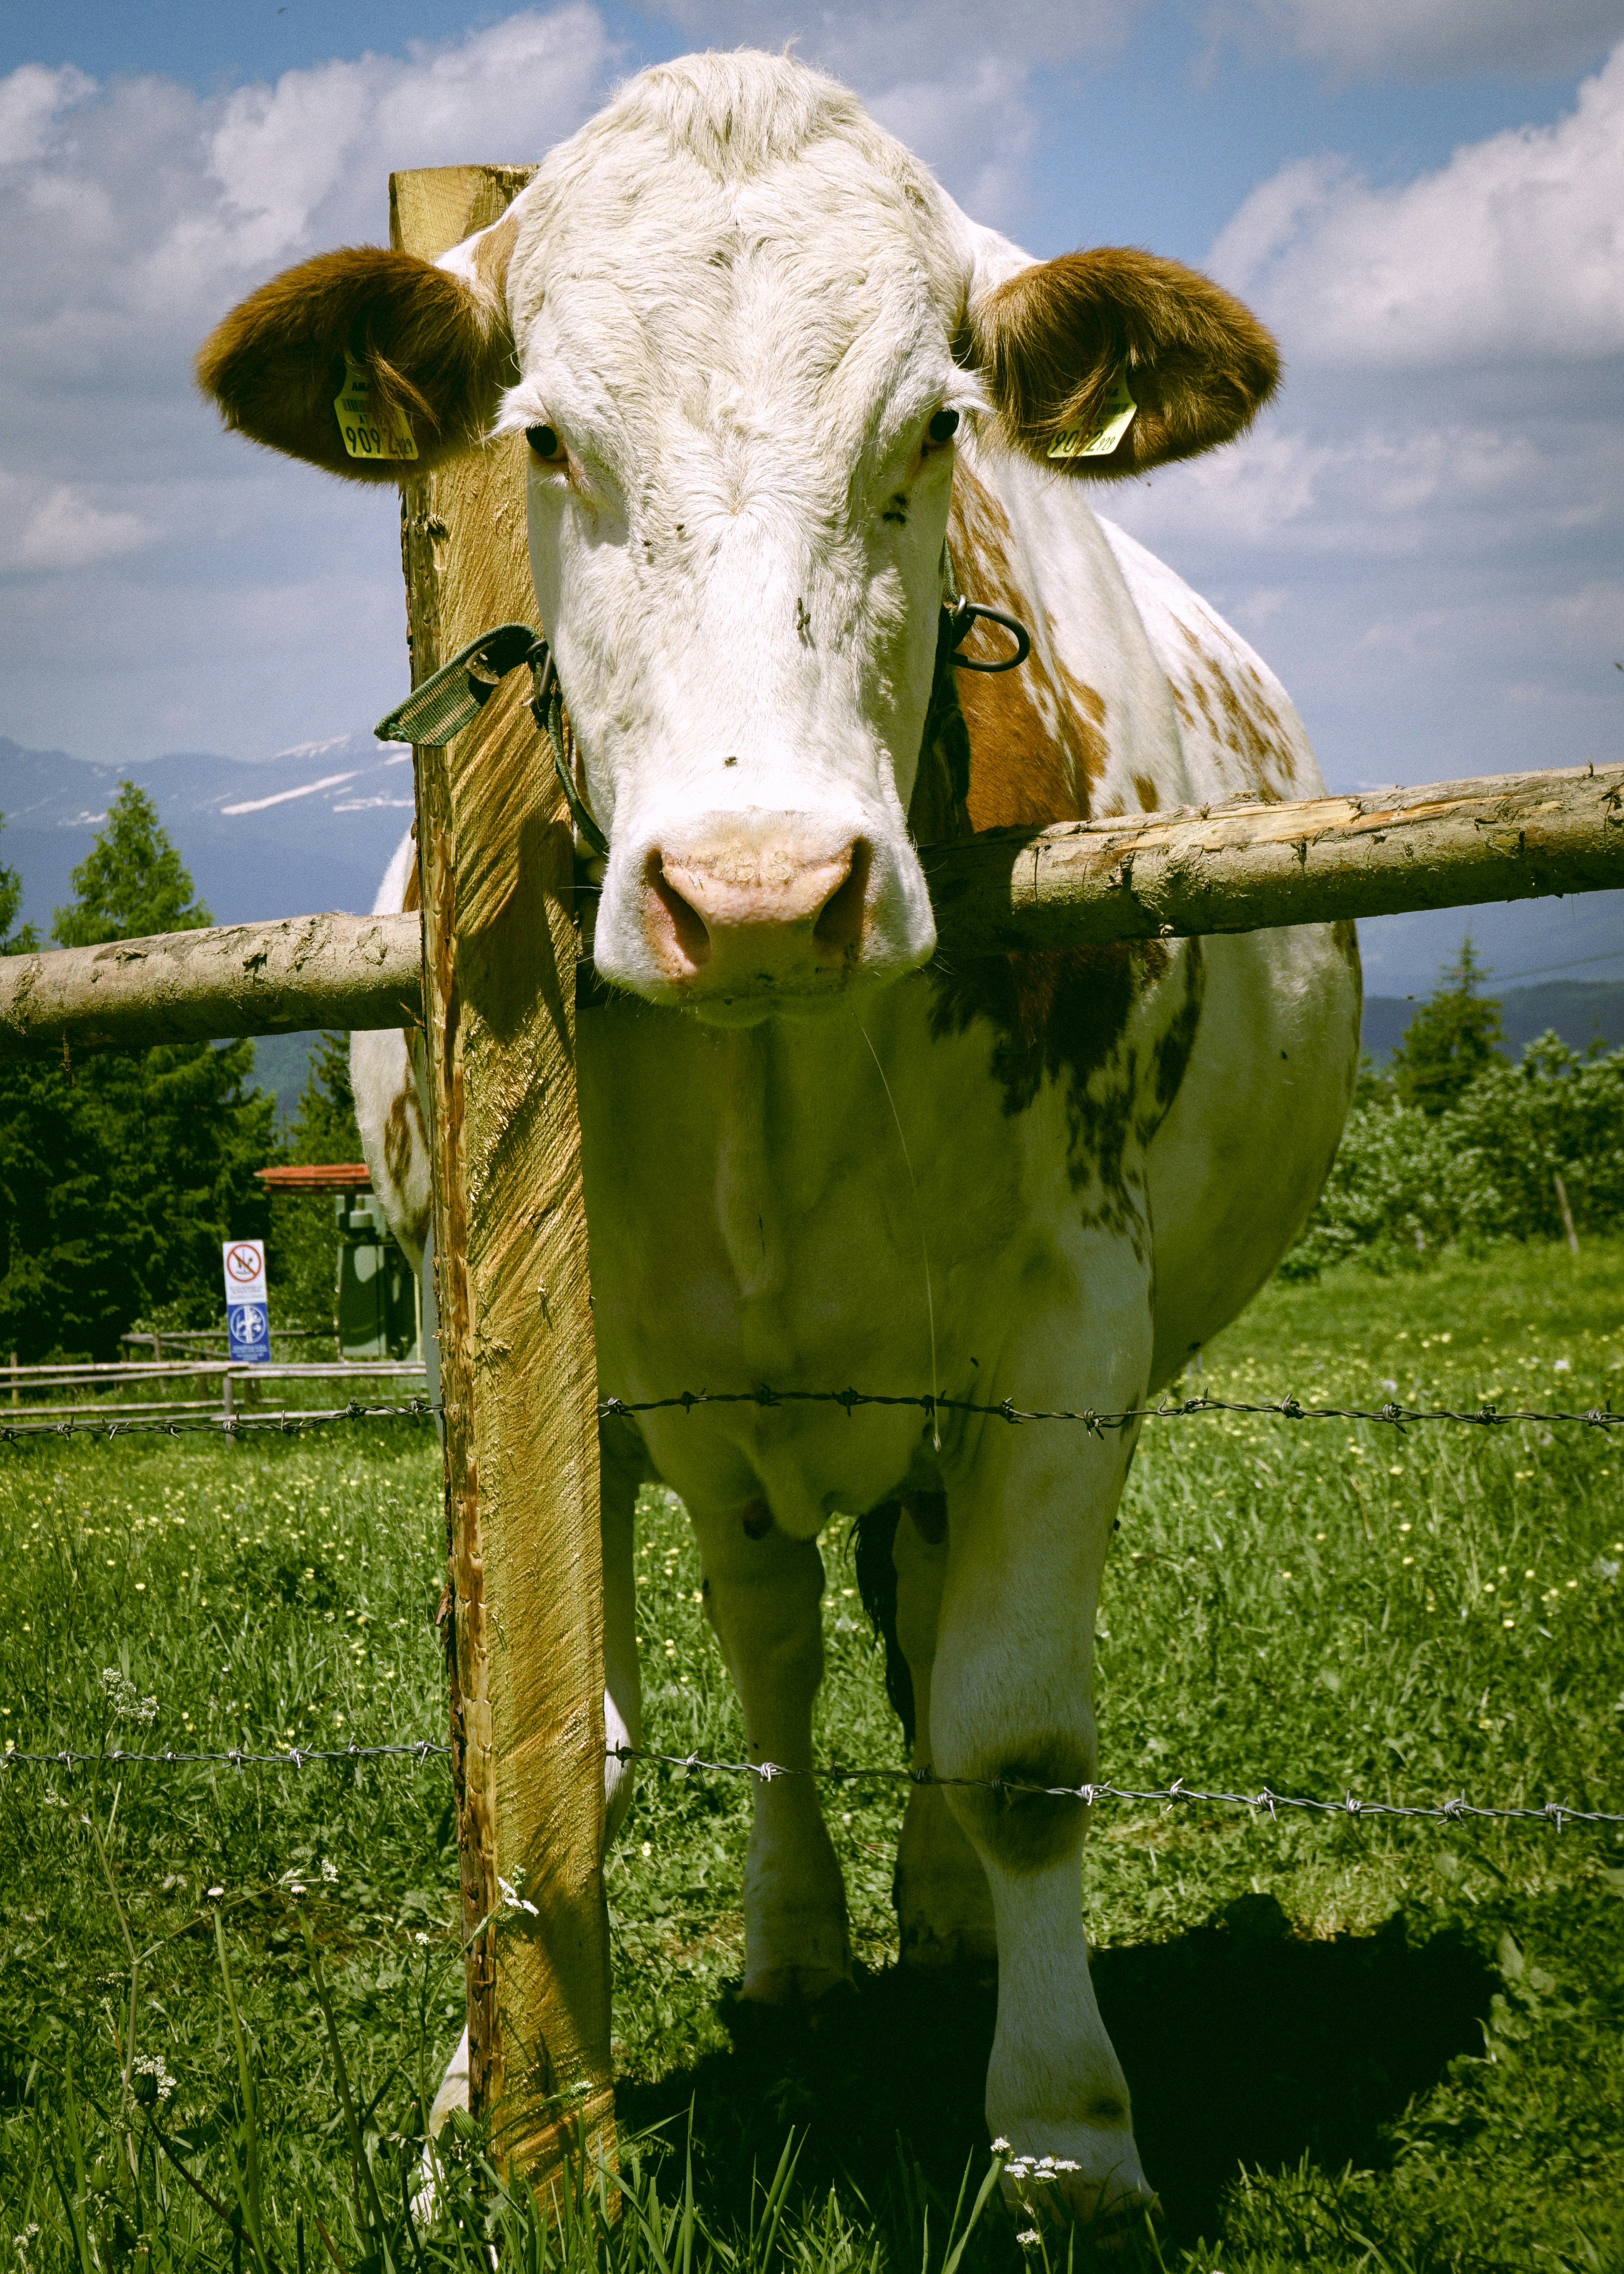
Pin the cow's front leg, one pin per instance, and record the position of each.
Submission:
(1010, 1703)
(945, 1914)
(762, 1595)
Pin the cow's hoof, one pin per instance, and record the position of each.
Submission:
(1093, 2184)
(961, 1950)
(793, 1986)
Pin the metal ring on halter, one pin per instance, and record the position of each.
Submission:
(960, 619)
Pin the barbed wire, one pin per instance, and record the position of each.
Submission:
(623, 1409)
(220, 1425)
(1290, 1409)
(296, 1757)
(1263, 1802)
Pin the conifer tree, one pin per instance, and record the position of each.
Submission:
(121, 1172)
(1454, 1038)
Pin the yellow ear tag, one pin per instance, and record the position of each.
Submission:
(1072, 442)
(365, 435)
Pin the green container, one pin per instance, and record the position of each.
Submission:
(377, 1296)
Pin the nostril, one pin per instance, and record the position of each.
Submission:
(840, 920)
(687, 925)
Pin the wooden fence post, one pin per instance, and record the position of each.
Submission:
(517, 1365)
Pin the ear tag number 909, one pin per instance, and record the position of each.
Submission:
(365, 435)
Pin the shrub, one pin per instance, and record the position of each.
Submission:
(1407, 1182)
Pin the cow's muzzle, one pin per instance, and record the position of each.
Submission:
(746, 911)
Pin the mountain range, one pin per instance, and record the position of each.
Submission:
(314, 826)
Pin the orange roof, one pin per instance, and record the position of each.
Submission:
(337, 1176)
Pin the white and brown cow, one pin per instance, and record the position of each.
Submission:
(767, 369)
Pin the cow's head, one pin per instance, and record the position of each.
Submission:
(745, 334)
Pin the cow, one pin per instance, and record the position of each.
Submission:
(782, 398)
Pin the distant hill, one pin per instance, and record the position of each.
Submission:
(307, 828)
(1580, 1011)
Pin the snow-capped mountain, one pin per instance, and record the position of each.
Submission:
(310, 828)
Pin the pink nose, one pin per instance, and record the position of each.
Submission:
(746, 912)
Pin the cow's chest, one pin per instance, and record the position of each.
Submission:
(801, 1204)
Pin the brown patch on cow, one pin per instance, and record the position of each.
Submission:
(1147, 794)
(1243, 718)
(1171, 1051)
(437, 352)
(1036, 735)
(1051, 339)
(405, 1141)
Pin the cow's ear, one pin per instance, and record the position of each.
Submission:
(1058, 342)
(417, 351)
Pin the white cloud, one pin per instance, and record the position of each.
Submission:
(62, 526)
(952, 78)
(1427, 39)
(31, 101)
(144, 209)
(322, 141)
(1512, 253)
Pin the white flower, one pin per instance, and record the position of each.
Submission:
(1001, 2147)
(152, 2065)
(329, 1869)
(1028, 2235)
(126, 1699)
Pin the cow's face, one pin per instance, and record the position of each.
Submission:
(740, 393)
(744, 333)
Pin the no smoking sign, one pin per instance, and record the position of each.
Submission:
(248, 1323)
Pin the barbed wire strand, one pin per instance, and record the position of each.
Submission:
(620, 1409)
(1290, 1409)
(1265, 1801)
(219, 1425)
(296, 1757)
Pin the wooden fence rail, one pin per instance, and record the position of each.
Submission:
(1226, 868)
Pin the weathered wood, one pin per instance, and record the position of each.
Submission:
(202, 986)
(1249, 867)
(517, 1365)
(1228, 867)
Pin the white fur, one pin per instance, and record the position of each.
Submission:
(735, 299)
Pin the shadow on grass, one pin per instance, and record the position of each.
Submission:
(1242, 2043)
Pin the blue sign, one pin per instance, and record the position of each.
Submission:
(248, 1327)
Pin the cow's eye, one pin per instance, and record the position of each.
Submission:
(543, 442)
(943, 426)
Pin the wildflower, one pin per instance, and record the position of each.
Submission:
(1001, 2147)
(1028, 2235)
(125, 1699)
(153, 2082)
(329, 1869)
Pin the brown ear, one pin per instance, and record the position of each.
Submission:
(1052, 340)
(436, 350)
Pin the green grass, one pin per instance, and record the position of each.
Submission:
(1350, 2044)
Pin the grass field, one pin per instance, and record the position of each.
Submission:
(1351, 2045)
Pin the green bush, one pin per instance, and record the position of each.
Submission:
(1407, 1182)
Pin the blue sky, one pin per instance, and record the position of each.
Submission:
(1424, 196)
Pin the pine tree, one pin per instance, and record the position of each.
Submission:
(131, 881)
(1454, 1038)
(122, 1173)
